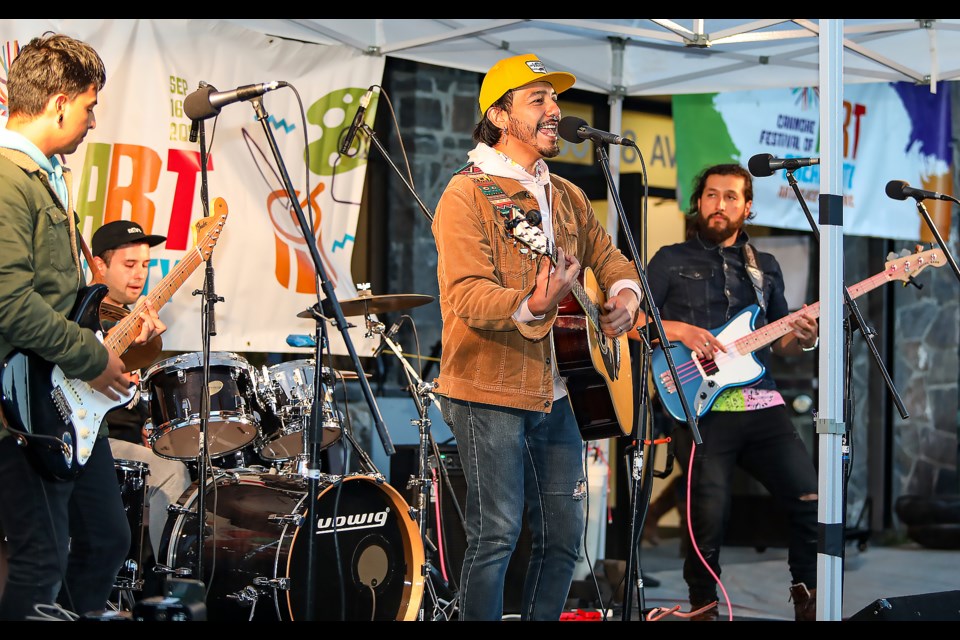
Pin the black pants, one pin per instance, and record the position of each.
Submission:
(66, 540)
(765, 444)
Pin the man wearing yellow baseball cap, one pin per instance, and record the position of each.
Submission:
(503, 387)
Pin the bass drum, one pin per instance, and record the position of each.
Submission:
(255, 553)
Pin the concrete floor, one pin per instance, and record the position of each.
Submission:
(918, 583)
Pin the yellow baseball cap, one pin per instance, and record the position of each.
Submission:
(511, 73)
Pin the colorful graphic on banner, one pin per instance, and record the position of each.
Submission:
(140, 164)
(891, 131)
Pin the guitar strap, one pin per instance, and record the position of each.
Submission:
(756, 276)
(94, 276)
(502, 203)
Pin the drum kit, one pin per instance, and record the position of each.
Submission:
(368, 548)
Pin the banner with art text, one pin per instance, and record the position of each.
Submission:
(891, 131)
(140, 164)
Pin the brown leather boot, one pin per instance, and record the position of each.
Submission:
(804, 603)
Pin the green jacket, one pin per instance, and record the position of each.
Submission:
(41, 272)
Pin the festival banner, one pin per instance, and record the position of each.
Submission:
(139, 163)
(891, 131)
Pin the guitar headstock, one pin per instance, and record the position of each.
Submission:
(209, 227)
(530, 235)
(907, 266)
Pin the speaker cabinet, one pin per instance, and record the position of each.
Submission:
(403, 465)
(941, 606)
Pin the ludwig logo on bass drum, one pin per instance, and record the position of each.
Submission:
(352, 522)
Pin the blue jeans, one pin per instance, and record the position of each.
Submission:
(66, 540)
(765, 444)
(513, 458)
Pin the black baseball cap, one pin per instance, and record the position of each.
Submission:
(120, 232)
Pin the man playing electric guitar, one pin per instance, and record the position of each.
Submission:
(698, 286)
(66, 539)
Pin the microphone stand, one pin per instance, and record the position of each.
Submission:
(383, 152)
(312, 466)
(422, 393)
(936, 234)
(652, 312)
(208, 329)
(868, 333)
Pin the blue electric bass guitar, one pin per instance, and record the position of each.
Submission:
(702, 380)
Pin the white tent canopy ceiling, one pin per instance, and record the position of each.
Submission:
(646, 57)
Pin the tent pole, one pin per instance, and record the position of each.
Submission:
(830, 425)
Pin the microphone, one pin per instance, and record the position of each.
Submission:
(533, 217)
(206, 102)
(900, 190)
(764, 164)
(575, 130)
(357, 121)
(392, 333)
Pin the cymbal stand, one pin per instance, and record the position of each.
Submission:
(445, 604)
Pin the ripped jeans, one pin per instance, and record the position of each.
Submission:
(513, 457)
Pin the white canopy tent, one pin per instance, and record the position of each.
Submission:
(643, 57)
(646, 57)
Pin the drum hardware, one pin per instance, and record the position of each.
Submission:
(295, 519)
(246, 597)
(280, 584)
(179, 571)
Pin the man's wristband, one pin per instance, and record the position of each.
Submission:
(813, 348)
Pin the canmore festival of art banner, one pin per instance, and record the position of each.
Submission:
(891, 131)
(139, 164)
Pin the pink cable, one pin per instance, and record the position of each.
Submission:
(443, 564)
(693, 540)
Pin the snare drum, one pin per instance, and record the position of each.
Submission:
(255, 554)
(174, 388)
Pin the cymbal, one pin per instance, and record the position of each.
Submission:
(367, 304)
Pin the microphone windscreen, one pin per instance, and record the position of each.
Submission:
(196, 106)
(568, 127)
(895, 189)
(759, 165)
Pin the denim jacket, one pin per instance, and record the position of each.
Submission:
(707, 285)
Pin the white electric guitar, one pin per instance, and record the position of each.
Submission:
(58, 418)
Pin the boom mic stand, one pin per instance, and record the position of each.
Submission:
(652, 312)
(422, 396)
(312, 467)
(868, 333)
(208, 326)
(936, 234)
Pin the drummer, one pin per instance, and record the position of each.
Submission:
(121, 259)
